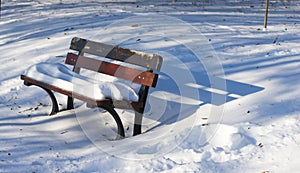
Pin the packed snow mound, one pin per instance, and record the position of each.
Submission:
(230, 138)
(61, 76)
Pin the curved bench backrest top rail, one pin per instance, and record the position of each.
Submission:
(147, 60)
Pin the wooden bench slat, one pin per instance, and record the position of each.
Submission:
(127, 73)
(150, 61)
(57, 89)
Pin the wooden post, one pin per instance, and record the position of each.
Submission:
(266, 14)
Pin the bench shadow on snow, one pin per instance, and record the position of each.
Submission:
(186, 84)
(175, 106)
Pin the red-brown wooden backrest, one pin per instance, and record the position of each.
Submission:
(144, 77)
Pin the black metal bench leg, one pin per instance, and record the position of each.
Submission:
(55, 108)
(70, 103)
(137, 128)
(121, 131)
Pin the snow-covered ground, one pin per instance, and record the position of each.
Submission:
(226, 99)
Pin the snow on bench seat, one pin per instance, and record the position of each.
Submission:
(61, 76)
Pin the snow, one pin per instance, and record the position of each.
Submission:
(61, 76)
(227, 98)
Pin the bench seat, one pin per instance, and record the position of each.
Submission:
(61, 76)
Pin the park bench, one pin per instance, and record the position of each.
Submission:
(124, 64)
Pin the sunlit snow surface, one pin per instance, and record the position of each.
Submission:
(191, 123)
